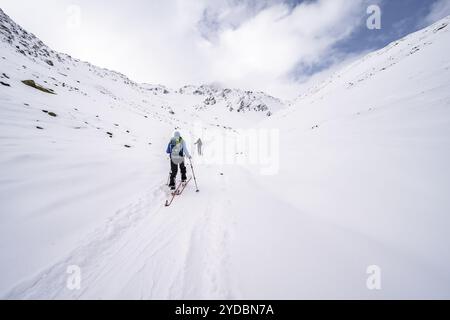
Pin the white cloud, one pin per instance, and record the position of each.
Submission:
(266, 48)
(439, 10)
(251, 44)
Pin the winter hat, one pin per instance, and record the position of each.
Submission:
(177, 134)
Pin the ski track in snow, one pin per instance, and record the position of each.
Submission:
(200, 249)
(168, 253)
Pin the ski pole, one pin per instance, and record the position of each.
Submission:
(193, 173)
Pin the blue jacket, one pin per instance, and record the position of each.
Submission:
(184, 150)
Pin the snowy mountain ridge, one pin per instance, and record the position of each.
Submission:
(384, 58)
(30, 46)
(233, 100)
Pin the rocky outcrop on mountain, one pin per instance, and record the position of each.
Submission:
(235, 100)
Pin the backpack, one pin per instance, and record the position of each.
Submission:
(177, 155)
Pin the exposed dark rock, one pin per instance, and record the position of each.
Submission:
(33, 84)
(443, 26)
(210, 101)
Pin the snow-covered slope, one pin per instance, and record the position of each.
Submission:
(368, 153)
(88, 142)
(363, 179)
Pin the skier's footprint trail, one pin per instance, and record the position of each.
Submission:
(51, 283)
(206, 271)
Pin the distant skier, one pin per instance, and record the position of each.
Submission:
(199, 144)
(177, 150)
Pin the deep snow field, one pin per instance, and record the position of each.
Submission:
(296, 199)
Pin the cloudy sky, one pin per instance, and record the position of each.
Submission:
(271, 45)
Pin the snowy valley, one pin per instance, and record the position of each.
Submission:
(361, 179)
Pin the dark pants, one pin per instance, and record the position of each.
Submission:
(174, 172)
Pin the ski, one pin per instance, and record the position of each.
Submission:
(178, 191)
(173, 194)
(184, 187)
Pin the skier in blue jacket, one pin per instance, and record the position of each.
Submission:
(177, 150)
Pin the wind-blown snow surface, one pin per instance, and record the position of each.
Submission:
(367, 153)
(363, 181)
